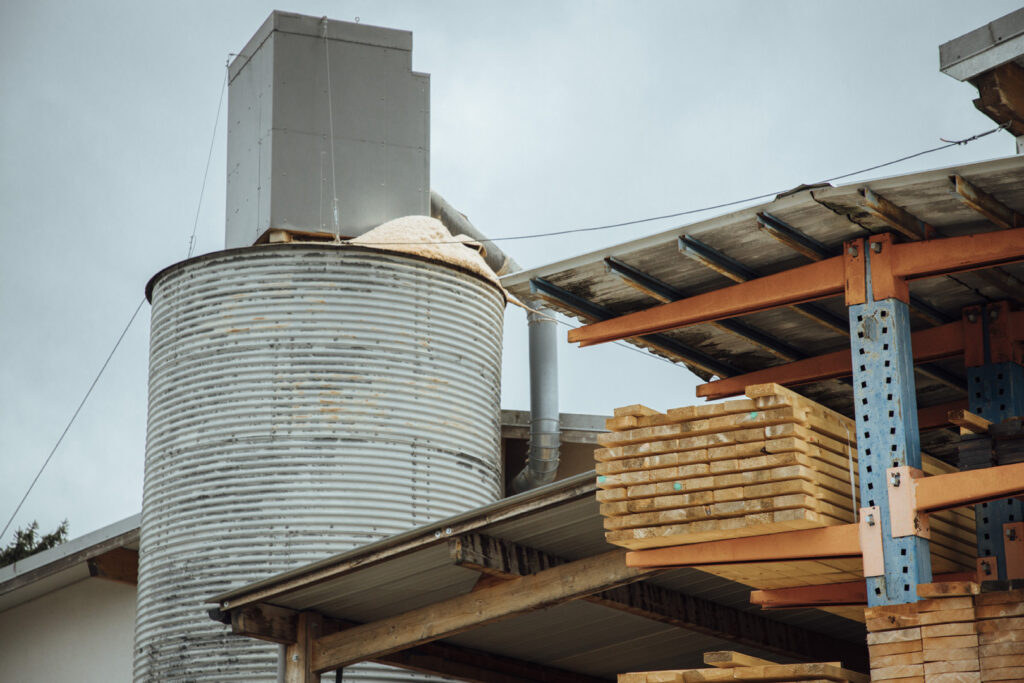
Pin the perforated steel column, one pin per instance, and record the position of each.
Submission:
(995, 392)
(887, 434)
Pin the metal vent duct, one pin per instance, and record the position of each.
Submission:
(320, 110)
(304, 400)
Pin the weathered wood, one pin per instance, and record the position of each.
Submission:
(455, 615)
(501, 558)
(117, 564)
(298, 656)
(968, 421)
(1001, 96)
(729, 659)
(280, 625)
(266, 622)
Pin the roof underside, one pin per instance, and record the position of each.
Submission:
(829, 216)
(415, 569)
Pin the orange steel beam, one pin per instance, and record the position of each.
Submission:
(826, 542)
(901, 262)
(928, 345)
(847, 593)
(807, 283)
(936, 417)
(949, 255)
(944, 491)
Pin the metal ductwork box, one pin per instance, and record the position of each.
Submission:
(328, 130)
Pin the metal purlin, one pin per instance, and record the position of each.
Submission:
(995, 392)
(887, 434)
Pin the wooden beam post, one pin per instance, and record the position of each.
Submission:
(461, 613)
(299, 655)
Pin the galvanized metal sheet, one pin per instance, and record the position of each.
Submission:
(303, 400)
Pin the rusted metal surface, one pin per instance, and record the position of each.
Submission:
(303, 399)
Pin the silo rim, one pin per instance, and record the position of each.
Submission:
(314, 246)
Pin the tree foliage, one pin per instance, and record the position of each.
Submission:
(27, 542)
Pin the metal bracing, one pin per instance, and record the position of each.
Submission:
(737, 272)
(885, 406)
(995, 384)
(553, 293)
(664, 292)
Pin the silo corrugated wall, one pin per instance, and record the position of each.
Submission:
(303, 400)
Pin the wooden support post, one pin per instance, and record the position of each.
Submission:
(299, 655)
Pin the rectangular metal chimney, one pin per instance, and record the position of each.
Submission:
(328, 129)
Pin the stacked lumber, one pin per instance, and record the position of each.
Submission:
(960, 636)
(772, 462)
(734, 666)
(931, 641)
(1000, 626)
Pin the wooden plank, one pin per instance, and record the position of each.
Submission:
(947, 588)
(635, 410)
(968, 421)
(730, 659)
(950, 666)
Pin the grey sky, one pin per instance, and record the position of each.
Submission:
(545, 116)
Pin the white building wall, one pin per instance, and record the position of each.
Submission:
(82, 633)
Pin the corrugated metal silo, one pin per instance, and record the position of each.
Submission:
(304, 400)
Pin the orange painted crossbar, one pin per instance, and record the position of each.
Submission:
(928, 345)
(903, 262)
(944, 491)
(806, 544)
(847, 593)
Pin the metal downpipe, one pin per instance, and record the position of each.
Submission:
(458, 224)
(545, 434)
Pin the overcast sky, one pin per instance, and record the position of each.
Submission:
(545, 116)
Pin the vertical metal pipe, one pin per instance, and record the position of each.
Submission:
(545, 434)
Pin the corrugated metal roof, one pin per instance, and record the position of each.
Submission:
(829, 215)
(412, 570)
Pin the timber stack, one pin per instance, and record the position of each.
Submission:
(958, 634)
(734, 666)
(772, 462)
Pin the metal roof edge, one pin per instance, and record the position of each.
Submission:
(986, 47)
(624, 249)
(551, 495)
(49, 562)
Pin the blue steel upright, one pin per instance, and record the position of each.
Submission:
(887, 433)
(995, 392)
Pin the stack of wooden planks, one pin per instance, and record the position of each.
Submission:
(734, 666)
(959, 636)
(772, 462)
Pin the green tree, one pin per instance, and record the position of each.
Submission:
(28, 542)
